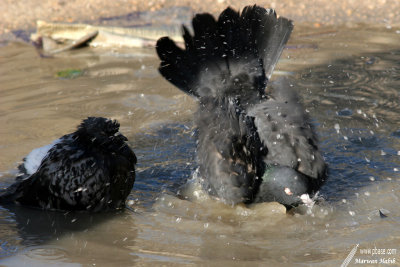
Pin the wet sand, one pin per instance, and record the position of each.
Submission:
(22, 15)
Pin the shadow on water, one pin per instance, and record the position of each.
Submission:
(35, 226)
(32, 234)
(166, 159)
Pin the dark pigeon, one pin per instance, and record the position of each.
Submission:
(91, 169)
(253, 145)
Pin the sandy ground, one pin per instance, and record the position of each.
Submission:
(22, 15)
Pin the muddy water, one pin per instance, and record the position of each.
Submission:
(349, 80)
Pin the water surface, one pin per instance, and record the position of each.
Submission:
(349, 80)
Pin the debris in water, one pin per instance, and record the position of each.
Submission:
(58, 37)
(69, 73)
(382, 215)
(51, 47)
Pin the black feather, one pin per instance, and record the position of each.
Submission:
(219, 50)
(226, 64)
(91, 169)
(228, 150)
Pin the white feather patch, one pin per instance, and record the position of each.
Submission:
(34, 159)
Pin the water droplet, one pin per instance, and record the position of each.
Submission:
(337, 127)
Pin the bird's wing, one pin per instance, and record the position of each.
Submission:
(284, 129)
(67, 178)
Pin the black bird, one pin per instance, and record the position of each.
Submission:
(91, 169)
(253, 145)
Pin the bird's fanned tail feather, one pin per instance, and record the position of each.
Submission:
(219, 50)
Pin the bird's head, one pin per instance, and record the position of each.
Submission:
(101, 131)
(284, 185)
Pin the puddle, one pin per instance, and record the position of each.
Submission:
(349, 80)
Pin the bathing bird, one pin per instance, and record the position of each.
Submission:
(91, 169)
(254, 144)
